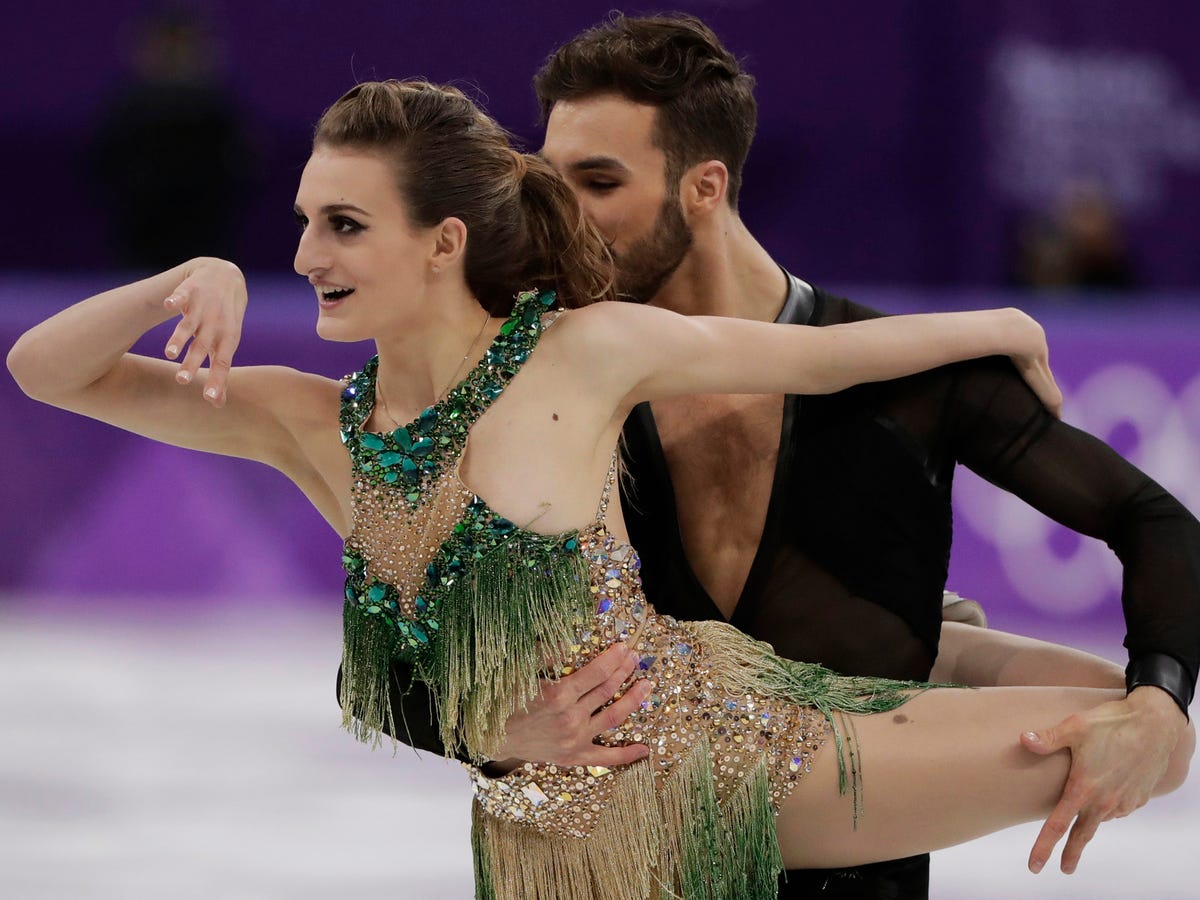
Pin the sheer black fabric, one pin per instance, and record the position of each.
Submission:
(856, 544)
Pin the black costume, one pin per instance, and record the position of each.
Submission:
(855, 547)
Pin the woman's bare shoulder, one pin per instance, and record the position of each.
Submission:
(611, 325)
(293, 392)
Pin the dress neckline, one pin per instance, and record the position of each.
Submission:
(405, 456)
(369, 401)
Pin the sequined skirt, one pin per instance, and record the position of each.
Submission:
(686, 710)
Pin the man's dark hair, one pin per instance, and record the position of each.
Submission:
(705, 102)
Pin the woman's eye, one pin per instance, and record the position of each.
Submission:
(343, 225)
(301, 221)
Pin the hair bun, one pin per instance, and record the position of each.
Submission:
(520, 165)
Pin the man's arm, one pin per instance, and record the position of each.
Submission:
(557, 726)
(413, 710)
(998, 429)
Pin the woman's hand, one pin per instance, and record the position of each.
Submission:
(1032, 359)
(79, 360)
(212, 301)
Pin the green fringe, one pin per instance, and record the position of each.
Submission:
(717, 851)
(694, 848)
(481, 857)
(672, 839)
(752, 860)
(495, 625)
(723, 852)
(742, 664)
(369, 645)
(499, 626)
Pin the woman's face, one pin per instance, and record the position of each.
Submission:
(368, 262)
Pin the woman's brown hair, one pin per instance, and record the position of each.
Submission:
(524, 226)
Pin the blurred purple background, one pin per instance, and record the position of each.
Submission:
(169, 621)
(899, 142)
(905, 151)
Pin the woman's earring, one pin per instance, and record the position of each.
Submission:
(437, 270)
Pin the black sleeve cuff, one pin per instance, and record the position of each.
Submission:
(1161, 671)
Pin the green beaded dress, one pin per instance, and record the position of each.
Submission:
(472, 600)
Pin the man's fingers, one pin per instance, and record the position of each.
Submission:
(1051, 740)
(612, 716)
(616, 756)
(1082, 832)
(588, 677)
(607, 689)
(1042, 742)
(1052, 832)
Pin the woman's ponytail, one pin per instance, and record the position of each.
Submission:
(566, 252)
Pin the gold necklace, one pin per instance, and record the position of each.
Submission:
(449, 384)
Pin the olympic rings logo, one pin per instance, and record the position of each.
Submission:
(1050, 567)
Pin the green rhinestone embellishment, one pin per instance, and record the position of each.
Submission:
(427, 420)
(409, 457)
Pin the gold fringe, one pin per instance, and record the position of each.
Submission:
(678, 842)
(496, 622)
(615, 862)
(368, 645)
(742, 664)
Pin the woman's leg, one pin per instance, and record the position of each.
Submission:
(946, 767)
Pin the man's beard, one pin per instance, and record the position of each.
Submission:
(644, 267)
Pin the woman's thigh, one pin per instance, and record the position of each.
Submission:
(946, 767)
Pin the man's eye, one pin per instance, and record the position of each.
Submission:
(602, 187)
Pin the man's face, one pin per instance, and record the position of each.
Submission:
(602, 146)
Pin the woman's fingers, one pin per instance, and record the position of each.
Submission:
(192, 360)
(1047, 389)
(177, 303)
(209, 327)
(220, 361)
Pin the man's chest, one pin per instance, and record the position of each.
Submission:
(720, 449)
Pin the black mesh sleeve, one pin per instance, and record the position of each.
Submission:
(999, 430)
(413, 712)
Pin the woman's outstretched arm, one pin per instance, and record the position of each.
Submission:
(79, 360)
(946, 767)
(658, 353)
